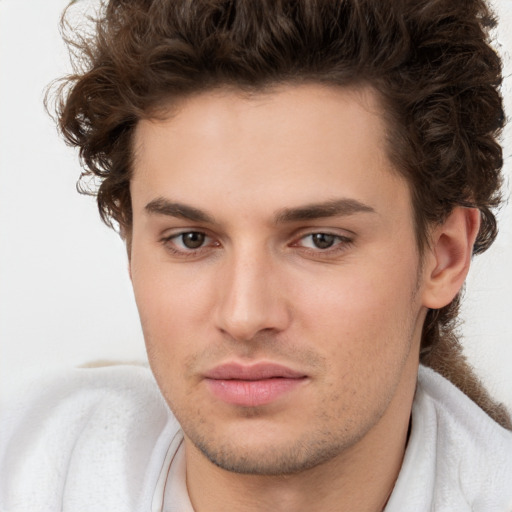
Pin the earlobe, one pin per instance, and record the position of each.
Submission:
(447, 260)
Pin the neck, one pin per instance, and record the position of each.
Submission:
(361, 478)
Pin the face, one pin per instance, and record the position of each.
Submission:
(276, 273)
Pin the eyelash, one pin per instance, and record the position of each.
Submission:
(169, 244)
(340, 244)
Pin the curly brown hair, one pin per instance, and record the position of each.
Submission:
(429, 61)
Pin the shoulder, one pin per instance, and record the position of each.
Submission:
(89, 429)
(456, 415)
(457, 457)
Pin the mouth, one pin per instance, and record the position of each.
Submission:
(252, 385)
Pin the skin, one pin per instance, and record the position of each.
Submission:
(245, 171)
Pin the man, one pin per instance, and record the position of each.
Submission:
(301, 186)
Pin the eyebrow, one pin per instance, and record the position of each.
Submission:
(162, 206)
(334, 208)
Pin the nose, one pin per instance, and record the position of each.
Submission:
(252, 298)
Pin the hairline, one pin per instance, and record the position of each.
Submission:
(170, 105)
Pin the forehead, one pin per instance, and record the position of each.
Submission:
(313, 111)
(291, 145)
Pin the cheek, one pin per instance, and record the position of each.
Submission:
(368, 309)
(364, 330)
(167, 291)
(172, 305)
(169, 320)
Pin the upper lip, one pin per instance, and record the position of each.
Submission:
(257, 371)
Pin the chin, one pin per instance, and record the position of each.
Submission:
(268, 458)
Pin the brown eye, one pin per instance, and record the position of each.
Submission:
(189, 244)
(323, 240)
(193, 239)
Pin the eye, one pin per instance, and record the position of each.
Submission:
(191, 240)
(323, 242)
(187, 242)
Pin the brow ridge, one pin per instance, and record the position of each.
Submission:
(333, 208)
(162, 206)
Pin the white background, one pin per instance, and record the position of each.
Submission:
(65, 296)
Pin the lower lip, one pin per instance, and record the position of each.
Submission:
(252, 393)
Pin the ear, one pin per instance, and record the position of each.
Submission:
(447, 260)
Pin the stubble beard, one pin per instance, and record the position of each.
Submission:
(279, 457)
(314, 447)
(293, 458)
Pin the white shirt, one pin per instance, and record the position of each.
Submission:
(103, 439)
(457, 458)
